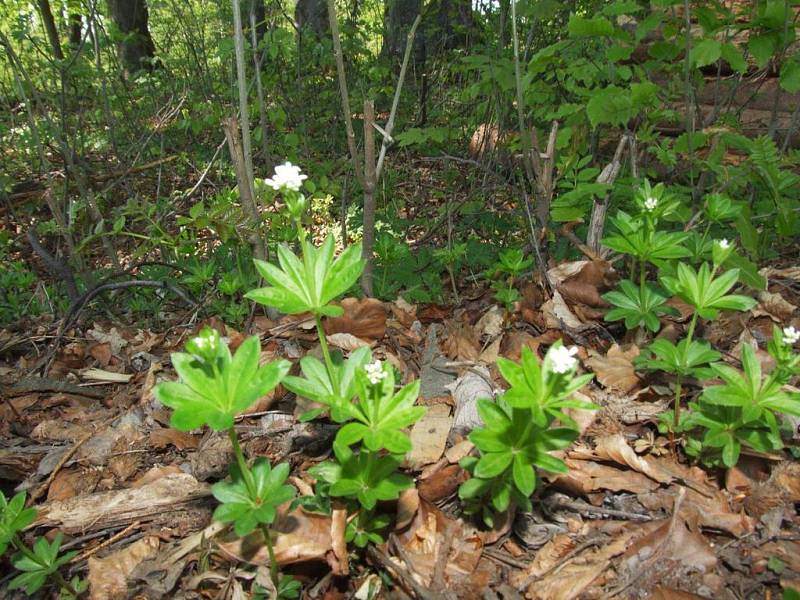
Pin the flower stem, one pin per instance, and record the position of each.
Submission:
(676, 413)
(323, 344)
(28, 553)
(273, 563)
(240, 460)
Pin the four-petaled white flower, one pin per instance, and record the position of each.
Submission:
(375, 372)
(563, 359)
(650, 203)
(286, 176)
(790, 336)
(724, 244)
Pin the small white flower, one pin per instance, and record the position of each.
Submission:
(202, 343)
(724, 244)
(286, 176)
(650, 203)
(375, 372)
(790, 336)
(562, 359)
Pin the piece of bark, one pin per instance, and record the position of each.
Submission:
(119, 507)
(467, 390)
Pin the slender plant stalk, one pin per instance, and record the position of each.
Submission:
(676, 413)
(248, 480)
(323, 344)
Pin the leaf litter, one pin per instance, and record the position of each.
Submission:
(632, 516)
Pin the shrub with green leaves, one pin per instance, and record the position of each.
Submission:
(375, 425)
(745, 410)
(511, 263)
(215, 387)
(639, 236)
(520, 429)
(707, 293)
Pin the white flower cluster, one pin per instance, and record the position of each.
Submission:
(563, 359)
(724, 244)
(650, 203)
(790, 336)
(202, 342)
(286, 176)
(375, 372)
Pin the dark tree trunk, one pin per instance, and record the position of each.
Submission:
(75, 29)
(136, 49)
(398, 15)
(451, 25)
(312, 16)
(50, 27)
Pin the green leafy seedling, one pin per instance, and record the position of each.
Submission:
(36, 564)
(250, 504)
(637, 306)
(317, 385)
(380, 413)
(519, 431)
(366, 476)
(214, 388)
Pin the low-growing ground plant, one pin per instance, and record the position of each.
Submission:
(745, 410)
(521, 427)
(38, 563)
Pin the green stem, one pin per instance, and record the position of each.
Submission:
(323, 344)
(676, 413)
(240, 460)
(28, 553)
(273, 563)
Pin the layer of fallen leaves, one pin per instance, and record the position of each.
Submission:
(94, 449)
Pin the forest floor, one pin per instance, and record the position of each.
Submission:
(82, 433)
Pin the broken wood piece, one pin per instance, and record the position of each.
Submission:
(119, 507)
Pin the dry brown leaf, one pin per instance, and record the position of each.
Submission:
(580, 292)
(615, 369)
(430, 533)
(163, 437)
(347, 341)
(364, 318)
(565, 270)
(577, 575)
(429, 437)
(407, 507)
(490, 354)
(491, 323)
(670, 540)
(701, 510)
(101, 353)
(155, 473)
(300, 537)
(774, 306)
(442, 483)
(461, 342)
(108, 576)
(557, 313)
(586, 476)
(616, 448)
(69, 483)
(404, 312)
